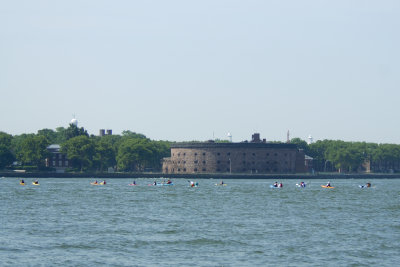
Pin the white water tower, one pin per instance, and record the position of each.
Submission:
(230, 137)
(74, 122)
(310, 140)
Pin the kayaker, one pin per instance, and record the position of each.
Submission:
(95, 182)
(276, 184)
(134, 182)
(328, 184)
(280, 185)
(196, 184)
(368, 184)
(169, 181)
(104, 182)
(22, 182)
(155, 183)
(36, 181)
(222, 182)
(191, 183)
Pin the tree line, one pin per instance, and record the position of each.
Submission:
(134, 152)
(130, 151)
(348, 157)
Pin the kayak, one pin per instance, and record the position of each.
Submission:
(132, 184)
(302, 186)
(22, 183)
(324, 186)
(221, 184)
(94, 183)
(102, 183)
(272, 186)
(160, 184)
(35, 183)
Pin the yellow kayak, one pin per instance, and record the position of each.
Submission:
(102, 183)
(35, 183)
(21, 183)
(221, 184)
(324, 186)
(94, 183)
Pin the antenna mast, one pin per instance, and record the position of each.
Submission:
(288, 139)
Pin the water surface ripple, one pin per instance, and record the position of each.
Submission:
(68, 222)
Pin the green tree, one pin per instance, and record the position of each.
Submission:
(80, 151)
(104, 152)
(301, 144)
(161, 149)
(6, 157)
(33, 149)
(51, 135)
(134, 155)
(5, 139)
(73, 131)
(134, 135)
(317, 152)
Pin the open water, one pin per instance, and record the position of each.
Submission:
(68, 222)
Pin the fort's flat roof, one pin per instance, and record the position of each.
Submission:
(232, 145)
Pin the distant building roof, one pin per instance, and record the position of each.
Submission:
(54, 148)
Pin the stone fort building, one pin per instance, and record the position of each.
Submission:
(256, 156)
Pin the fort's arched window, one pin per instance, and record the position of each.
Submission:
(184, 169)
(227, 169)
(196, 161)
(204, 162)
(195, 154)
(204, 153)
(179, 170)
(203, 169)
(195, 169)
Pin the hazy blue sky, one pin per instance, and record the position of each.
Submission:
(185, 70)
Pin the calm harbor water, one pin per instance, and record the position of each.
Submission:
(68, 222)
